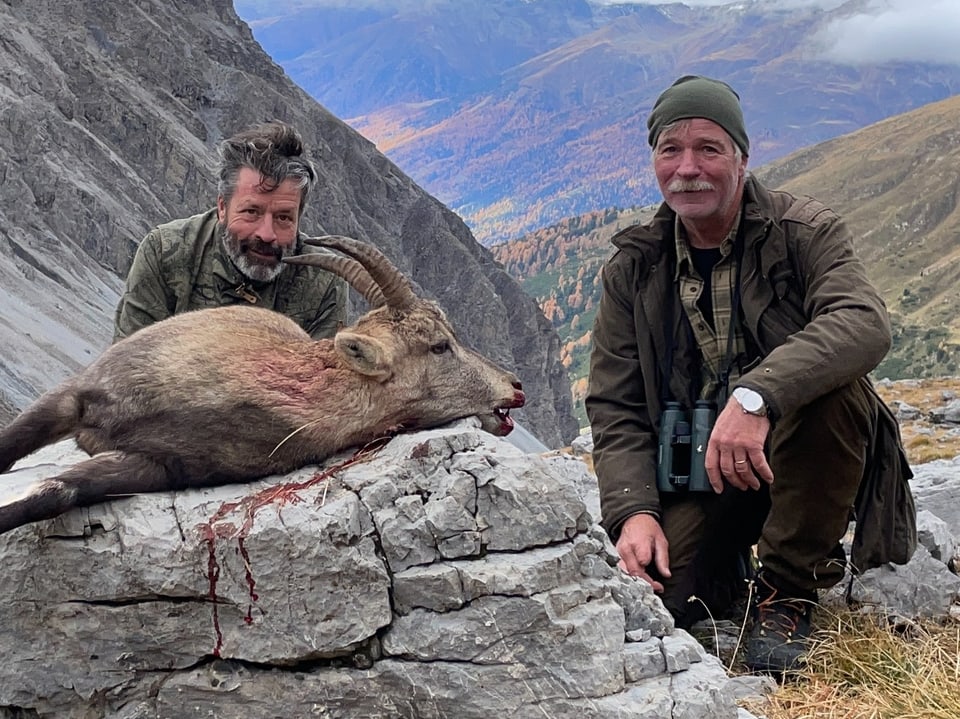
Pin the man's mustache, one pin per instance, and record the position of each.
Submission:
(690, 186)
(261, 248)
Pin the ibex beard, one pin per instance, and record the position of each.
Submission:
(233, 394)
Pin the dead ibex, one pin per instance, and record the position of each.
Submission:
(233, 394)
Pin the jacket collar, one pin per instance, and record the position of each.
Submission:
(653, 246)
(760, 227)
(649, 242)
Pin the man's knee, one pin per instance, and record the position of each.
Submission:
(843, 417)
(818, 456)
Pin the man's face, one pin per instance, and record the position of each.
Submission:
(259, 226)
(699, 171)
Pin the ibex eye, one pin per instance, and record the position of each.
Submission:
(440, 347)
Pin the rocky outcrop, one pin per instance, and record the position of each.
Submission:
(446, 576)
(926, 587)
(108, 122)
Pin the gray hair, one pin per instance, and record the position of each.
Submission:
(683, 122)
(275, 150)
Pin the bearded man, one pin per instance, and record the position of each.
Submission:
(232, 253)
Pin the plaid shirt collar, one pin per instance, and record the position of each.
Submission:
(714, 341)
(683, 247)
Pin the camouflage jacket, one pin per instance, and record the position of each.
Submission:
(181, 266)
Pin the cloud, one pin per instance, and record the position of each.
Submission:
(879, 31)
(895, 30)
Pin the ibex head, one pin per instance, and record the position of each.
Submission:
(406, 343)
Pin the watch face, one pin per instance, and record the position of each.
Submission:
(748, 399)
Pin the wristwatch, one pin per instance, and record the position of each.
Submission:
(751, 402)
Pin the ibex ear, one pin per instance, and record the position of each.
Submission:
(364, 354)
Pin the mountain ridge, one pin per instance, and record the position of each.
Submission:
(536, 132)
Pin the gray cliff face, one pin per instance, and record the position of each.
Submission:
(109, 118)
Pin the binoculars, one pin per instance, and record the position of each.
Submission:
(682, 447)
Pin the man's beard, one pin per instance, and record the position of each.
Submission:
(239, 253)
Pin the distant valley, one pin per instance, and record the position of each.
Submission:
(560, 267)
(528, 120)
(517, 115)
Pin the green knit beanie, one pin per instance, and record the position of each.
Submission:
(697, 96)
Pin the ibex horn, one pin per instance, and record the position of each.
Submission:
(347, 268)
(396, 289)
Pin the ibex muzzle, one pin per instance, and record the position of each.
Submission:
(237, 393)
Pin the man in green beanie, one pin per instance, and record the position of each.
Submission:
(728, 394)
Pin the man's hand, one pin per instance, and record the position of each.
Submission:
(641, 542)
(735, 449)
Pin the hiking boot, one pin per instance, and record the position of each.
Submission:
(778, 641)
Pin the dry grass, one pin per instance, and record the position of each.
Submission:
(861, 667)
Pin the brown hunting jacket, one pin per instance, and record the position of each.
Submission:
(182, 265)
(811, 317)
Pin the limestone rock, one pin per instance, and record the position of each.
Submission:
(922, 588)
(449, 575)
(949, 413)
(934, 534)
(936, 488)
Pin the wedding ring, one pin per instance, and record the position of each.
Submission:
(740, 461)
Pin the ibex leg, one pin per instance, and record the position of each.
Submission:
(52, 417)
(105, 476)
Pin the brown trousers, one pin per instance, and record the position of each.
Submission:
(817, 455)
